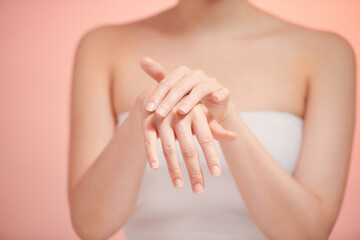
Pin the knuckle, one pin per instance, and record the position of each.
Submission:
(190, 78)
(174, 171)
(193, 75)
(195, 175)
(208, 140)
(178, 88)
(169, 149)
(203, 90)
(148, 143)
(190, 152)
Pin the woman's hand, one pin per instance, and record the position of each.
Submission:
(187, 87)
(182, 128)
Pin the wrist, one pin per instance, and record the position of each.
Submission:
(135, 115)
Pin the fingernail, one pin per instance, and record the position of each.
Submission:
(182, 107)
(161, 111)
(218, 96)
(215, 170)
(150, 106)
(198, 188)
(178, 183)
(153, 165)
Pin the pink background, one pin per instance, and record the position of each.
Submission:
(37, 42)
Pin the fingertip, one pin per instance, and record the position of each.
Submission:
(150, 107)
(178, 183)
(232, 134)
(145, 59)
(160, 115)
(154, 165)
(228, 136)
(218, 96)
(145, 62)
(215, 97)
(215, 170)
(234, 137)
(181, 111)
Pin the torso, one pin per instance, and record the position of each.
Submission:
(265, 71)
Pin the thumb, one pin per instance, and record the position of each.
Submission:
(221, 96)
(221, 133)
(154, 69)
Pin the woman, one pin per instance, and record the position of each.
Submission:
(283, 126)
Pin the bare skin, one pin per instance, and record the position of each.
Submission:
(189, 88)
(267, 63)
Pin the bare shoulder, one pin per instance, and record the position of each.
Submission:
(321, 47)
(330, 60)
(325, 44)
(315, 42)
(320, 51)
(104, 41)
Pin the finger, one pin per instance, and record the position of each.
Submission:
(170, 153)
(153, 68)
(197, 94)
(207, 143)
(222, 95)
(163, 88)
(190, 156)
(220, 133)
(150, 137)
(179, 90)
(217, 130)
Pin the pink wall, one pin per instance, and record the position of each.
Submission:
(37, 41)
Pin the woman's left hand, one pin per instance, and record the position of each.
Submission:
(189, 87)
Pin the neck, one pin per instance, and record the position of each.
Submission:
(197, 13)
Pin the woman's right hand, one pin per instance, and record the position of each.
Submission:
(182, 128)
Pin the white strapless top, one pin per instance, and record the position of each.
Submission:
(163, 212)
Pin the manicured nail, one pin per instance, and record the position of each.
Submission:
(178, 183)
(153, 165)
(198, 188)
(161, 111)
(218, 96)
(150, 106)
(183, 108)
(215, 170)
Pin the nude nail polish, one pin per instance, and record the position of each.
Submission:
(161, 111)
(215, 170)
(150, 106)
(178, 182)
(198, 188)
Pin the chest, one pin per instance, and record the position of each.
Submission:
(261, 75)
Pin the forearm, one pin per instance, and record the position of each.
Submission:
(106, 195)
(281, 207)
